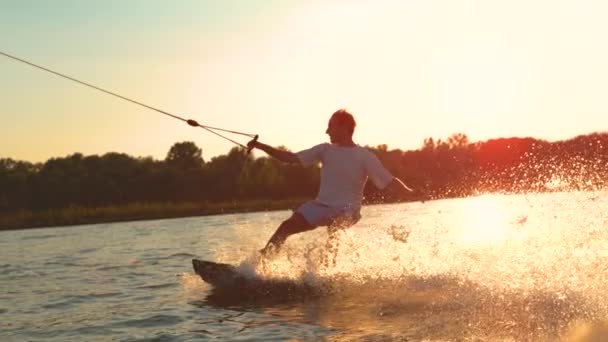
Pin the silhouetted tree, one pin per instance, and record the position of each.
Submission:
(15, 183)
(185, 155)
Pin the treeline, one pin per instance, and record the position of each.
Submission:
(456, 167)
(450, 168)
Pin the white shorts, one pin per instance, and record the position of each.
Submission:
(319, 214)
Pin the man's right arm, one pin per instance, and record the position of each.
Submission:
(284, 156)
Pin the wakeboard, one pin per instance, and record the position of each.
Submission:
(220, 275)
(226, 277)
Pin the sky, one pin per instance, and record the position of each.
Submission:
(406, 69)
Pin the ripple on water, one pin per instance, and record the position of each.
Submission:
(159, 320)
(157, 286)
(87, 250)
(73, 300)
(41, 237)
(115, 267)
(172, 256)
(6, 269)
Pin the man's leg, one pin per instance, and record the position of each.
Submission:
(332, 244)
(293, 225)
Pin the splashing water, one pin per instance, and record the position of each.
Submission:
(493, 266)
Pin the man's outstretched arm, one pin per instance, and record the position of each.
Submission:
(397, 189)
(284, 156)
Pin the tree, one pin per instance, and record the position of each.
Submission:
(15, 187)
(185, 155)
(458, 140)
(428, 144)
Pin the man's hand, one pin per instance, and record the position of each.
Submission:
(421, 195)
(284, 156)
(253, 144)
(398, 190)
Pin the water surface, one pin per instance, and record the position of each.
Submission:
(492, 267)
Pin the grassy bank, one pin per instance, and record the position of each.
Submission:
(136, 211)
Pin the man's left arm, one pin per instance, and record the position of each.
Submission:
(392, 186)
(398, 190)
(397, 187)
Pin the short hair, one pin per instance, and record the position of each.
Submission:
(343, 117)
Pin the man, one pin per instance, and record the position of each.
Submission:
(345, 167)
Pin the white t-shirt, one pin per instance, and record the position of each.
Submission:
(344, 171)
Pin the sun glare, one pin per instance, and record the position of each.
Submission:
(482, 221)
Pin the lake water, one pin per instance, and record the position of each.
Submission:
(492, 267)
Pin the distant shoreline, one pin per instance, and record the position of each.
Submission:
(77, 215)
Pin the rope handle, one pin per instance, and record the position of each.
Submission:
(255, 139)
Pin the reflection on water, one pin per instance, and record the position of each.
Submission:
(492, 267)
(482, 220)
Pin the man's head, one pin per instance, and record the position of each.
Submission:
(341, 127)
